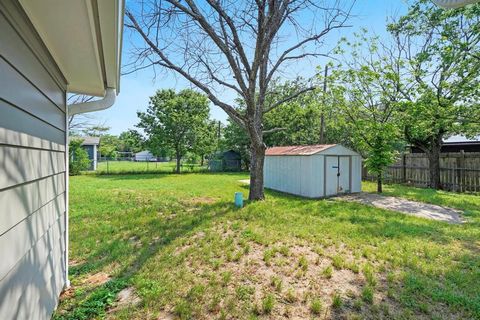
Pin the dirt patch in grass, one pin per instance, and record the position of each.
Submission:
(68, 293)
(237, 278)
(200, 201)
(274, 281)
(74, 263)
(125, 298)
(96, 279)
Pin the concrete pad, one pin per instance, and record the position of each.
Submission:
(414, 208)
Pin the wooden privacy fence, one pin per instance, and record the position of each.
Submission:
(459, 172)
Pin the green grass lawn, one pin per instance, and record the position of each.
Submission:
(116, 167)
(184, 251)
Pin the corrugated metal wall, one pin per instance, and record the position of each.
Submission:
(304, 175)
(32, 171)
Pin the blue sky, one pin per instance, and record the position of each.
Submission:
(137, 87)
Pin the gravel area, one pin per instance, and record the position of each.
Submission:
(414, 208)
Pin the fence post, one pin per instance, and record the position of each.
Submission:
(462, 170)
(459, 174)
(108, 172)
(404, 168)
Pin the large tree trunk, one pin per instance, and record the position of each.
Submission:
(434, 165)
(256, 173)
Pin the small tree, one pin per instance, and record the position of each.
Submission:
(206, 140)
(109, 145)
(365, 92)
(78, 157)
(97, 130)
(175, 121)
(130, 141)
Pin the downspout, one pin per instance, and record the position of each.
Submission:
(97, 105)
(106, 102)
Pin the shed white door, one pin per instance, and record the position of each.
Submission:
(337, 175)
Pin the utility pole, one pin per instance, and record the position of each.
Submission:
(219, 134)
(322, 116)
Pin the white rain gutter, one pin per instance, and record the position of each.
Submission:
(97, 105)
(450, 4)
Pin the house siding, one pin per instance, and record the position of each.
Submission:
(33, 179)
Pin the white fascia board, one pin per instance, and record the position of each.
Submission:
(84, 38)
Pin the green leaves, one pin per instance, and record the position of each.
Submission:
(78, 157)
(176, 122)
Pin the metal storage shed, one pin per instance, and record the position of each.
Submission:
(314, 171)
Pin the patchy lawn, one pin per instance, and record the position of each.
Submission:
(173, 246)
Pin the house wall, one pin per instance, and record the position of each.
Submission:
(33, 178)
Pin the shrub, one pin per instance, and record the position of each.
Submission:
(78, 157)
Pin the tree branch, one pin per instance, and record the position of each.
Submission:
(287, 99)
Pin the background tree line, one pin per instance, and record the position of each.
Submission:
(416, 87)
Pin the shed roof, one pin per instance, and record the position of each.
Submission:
(459, 139)
(143, 153)
(91, 141)
(86, 140)
(298, 150)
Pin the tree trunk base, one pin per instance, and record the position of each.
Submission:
(256, 174)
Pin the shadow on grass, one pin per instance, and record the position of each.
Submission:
(167, 229)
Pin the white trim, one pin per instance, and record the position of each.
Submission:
(94, 157)
(67, 183)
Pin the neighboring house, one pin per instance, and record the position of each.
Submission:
(225, 161)
(454, 3)
(456, 144)
(48, 48)
(145, 156)
(313, 171)
(91, 145)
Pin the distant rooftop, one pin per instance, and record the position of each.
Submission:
(461, 139)
(298, 150)
(88, 141)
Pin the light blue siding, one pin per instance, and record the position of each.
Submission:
(32, 171)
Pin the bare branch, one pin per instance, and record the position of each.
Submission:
(287, 99)
(273, 130)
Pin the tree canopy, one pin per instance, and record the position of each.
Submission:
(176, 121)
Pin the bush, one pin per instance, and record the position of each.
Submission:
(78, 157)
